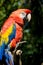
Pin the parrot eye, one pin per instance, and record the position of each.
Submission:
(22, 15)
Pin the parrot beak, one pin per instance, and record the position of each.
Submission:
(29, 17)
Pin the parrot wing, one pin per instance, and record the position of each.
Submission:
(8, 32)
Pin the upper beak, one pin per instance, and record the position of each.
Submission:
(29, 17)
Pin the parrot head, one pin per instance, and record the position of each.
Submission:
(20, 15)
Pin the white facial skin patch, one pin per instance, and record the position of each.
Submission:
(23, 15)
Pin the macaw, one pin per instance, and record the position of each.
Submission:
(12, 29)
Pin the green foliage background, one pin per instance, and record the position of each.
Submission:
(33, 49)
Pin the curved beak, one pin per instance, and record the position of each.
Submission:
(29, 17)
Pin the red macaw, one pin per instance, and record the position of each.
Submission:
(12, 29)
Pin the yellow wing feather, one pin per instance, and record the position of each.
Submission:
(7, 33)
